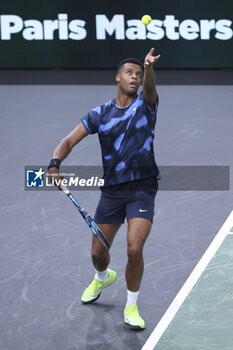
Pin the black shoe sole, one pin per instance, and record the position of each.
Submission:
(91, 301)
(134, 328)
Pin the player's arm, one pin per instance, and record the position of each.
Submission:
(149, 89)
(68, 142)
(64, 148)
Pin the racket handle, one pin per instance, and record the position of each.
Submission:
(65, 189)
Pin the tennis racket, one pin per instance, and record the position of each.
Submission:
(90, 222)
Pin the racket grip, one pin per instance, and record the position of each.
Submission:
(65, 189)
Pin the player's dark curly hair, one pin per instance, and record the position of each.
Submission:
(129, 60)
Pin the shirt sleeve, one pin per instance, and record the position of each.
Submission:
(91, 120)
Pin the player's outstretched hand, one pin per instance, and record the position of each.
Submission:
(55, 177)
(150, 59)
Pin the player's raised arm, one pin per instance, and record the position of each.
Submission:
(149, 89)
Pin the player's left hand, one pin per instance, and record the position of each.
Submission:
(150, 59)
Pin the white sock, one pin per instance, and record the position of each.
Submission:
(132, 298)
(101, 275)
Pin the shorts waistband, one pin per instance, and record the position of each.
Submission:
(150, 183)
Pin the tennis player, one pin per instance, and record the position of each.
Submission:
(125, 127)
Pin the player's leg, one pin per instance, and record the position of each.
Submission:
(104, 276)
(100, 255)
(109, 216)
(140, 211)
(138, 231)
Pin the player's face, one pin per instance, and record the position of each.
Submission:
(129, 78)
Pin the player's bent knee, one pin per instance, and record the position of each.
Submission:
(99, 253)
(100, 260)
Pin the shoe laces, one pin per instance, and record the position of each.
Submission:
(96, 284)
(133, 308)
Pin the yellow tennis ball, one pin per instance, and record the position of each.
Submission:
(146, 19)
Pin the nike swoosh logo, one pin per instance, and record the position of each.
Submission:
(142, 210)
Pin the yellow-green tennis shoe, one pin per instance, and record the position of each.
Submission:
(93, 291)
(132, 318)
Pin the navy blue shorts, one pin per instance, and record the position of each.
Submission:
(134, 199)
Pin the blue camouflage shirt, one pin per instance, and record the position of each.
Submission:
(126, 136)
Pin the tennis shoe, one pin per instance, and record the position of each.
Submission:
(132, 318)
(93, 291)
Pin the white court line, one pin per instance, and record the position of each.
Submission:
(188, 285)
